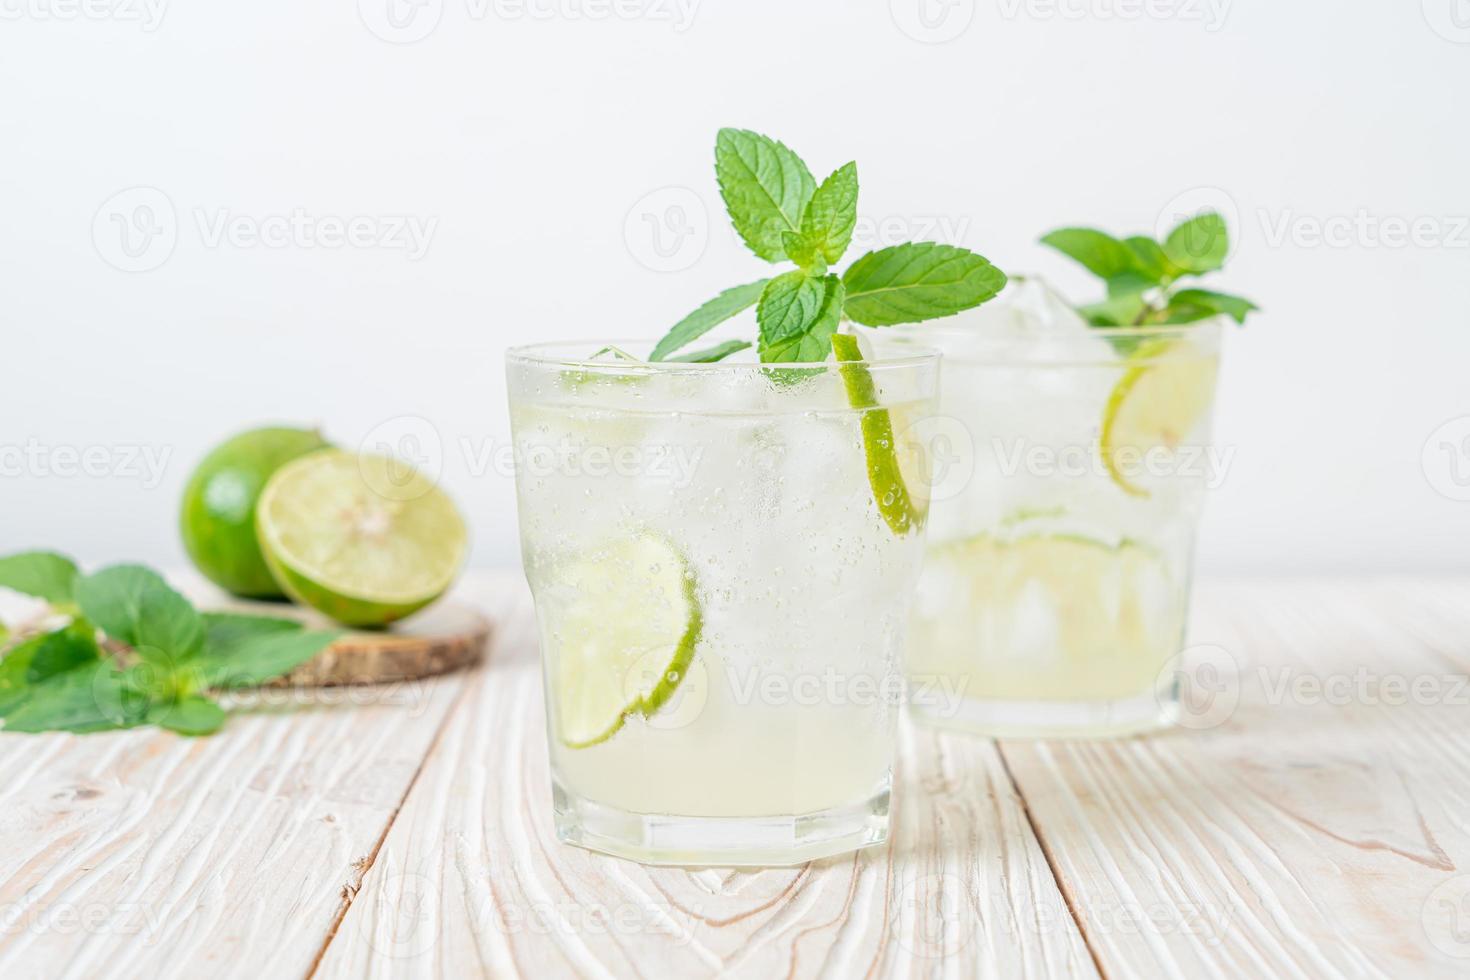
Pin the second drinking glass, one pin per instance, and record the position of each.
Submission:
(1071, 467)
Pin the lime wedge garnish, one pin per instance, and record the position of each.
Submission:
(1157, 402)
(900, 511)
(365, 539)
(623, 625)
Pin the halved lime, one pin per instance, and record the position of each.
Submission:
(365, 539)
(217, 516)
(623, 629)
(1158, 401)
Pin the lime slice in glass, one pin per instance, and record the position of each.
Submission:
(1061, 616)
(622, 635)
(890, 491)
(364, 539)
(1158, 402)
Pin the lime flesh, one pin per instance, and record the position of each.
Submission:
(364, 539)
(217, 515)
(1054, 616)
(1157, 402)
(623, 624)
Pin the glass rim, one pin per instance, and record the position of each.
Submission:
(969, 346)
(1155, 330)
(544, 354)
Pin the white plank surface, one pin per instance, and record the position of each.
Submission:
(146, 854)
(1316, 831)
(143, 853)
(471, 880)
(1316, 825)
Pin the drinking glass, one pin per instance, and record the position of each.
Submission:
(721, 595)
(1056, 583)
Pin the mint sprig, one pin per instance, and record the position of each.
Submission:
(783, 215)
(798, 315)
(766, 189)
(135, 652)
(1143, 276)
(43, 574)
(917, 281)
(736, 299)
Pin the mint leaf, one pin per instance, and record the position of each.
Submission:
(798, 315)
(225, 631)
(65, 649)
(1188, 305)
(1101, 253)
(257, 659)
(43, 574)
(134, 605)
(827, 224)
(90, 698)
(711, 354)
(732, 301)
(1149, 259)
(1140, 279)
(1200, 244)
(766, 188)
(885, 477)
(14, 685)
(804, 252)
(1125, 310)
(191, 715)
(917, 281)
(1129, 283)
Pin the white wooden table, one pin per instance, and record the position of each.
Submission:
(1317, 824)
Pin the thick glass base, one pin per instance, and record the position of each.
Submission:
(719, 841)
(1146, 712)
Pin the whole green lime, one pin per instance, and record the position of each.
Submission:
(217, 519)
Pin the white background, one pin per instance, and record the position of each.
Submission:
(541, 143)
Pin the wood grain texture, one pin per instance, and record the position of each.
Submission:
(1321, 828)
(472, 882)
(143, 853)
(1315, 824)
(448, 635)
(146, 854)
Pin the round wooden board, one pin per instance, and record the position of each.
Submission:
(446, 636)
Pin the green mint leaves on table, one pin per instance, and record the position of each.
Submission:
(135, 652)
(783, 215)
(1143, 276)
